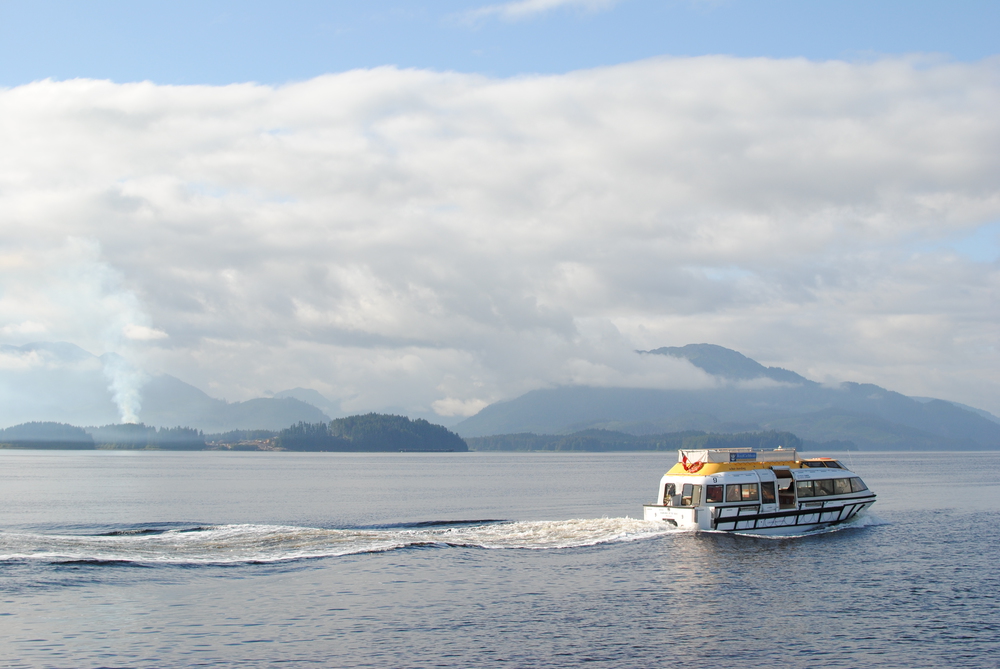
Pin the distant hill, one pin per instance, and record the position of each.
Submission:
(866, 415)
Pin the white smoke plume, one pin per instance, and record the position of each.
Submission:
(69, 293)
(125, 383)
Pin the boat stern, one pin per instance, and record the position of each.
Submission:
(683, 518)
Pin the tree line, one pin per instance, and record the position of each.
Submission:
(609, 440)
(127, 436)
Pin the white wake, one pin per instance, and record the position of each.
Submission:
(226, 544)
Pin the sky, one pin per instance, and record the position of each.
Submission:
(430, 207)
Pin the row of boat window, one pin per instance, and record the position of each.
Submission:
(829, 487)
(741, 492)
(737, 492)
(757, 492)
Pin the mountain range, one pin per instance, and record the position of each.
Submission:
(850, 414)
(59, 381)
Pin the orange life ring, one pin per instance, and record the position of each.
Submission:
(691, 467)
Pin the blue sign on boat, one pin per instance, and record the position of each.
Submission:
(740, 457)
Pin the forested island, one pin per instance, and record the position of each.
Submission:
(370, 433)
(364, 433)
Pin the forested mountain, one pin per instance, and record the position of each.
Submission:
(866, 415)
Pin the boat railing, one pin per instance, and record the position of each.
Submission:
(718, 455)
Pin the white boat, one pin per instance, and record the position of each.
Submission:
(757, 492)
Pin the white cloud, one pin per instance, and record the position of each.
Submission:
(18, 361)
(522, 9)
(433, 241)
(142, 333)
(63, 290)
(451, 406)
(25, 328)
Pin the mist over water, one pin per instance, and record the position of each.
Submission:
(387, 560)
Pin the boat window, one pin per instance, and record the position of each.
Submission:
(804, 488)
(669, 491)
(713, 493)
(767, 492)
(834, 464)
(857, 485)
(746, 492)
(690, 495)
(842, 486)
(812, 463)
(824, 487)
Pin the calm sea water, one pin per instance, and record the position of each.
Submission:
(121, 559)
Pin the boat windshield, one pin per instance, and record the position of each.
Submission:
(832, 464)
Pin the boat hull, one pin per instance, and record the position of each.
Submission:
(751, 519)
